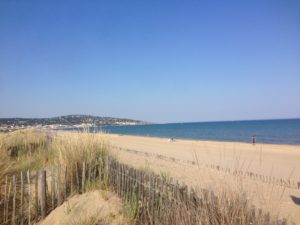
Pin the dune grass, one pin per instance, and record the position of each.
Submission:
(34, 149)
(31, 149)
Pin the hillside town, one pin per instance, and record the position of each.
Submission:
(63, 122)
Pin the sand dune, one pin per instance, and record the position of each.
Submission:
(96, 206)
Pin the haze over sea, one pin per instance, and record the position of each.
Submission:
(281, 131)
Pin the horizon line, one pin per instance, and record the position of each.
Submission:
(152, 123)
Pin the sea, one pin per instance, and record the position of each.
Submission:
(280, 131)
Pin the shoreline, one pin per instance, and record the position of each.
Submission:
(278, 160)
(166, 137)
(183, 139)
(79, 129)
(202, 140)
(277, 132)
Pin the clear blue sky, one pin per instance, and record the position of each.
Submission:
(159, 61)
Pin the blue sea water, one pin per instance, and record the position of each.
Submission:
(285, 131)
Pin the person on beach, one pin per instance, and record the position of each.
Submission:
(253, 140)
(171, 140)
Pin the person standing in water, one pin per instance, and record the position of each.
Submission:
(253, 140)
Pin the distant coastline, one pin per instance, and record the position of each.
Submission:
(64, 122)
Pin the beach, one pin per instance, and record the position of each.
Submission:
(267, 173)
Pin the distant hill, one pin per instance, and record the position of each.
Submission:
(69, 120)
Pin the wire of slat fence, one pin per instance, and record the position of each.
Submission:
(252, 175)
(152, 199)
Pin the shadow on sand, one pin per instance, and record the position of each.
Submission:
(295, 200)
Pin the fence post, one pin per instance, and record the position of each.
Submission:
(59, 185)
(118, 171)
(116, 178)
(152, 197)
(36, 185)
(52, 187)
(130, 185)
(5, 201)
(83, 177)
(14, 200)
(100, 173)
(136, 191)
(71, 181)
(159, 198)
(123, 181)
(127, 183)
(89, 165)
(22, 200)
(94, 171)
(29, 198)
(142, 186)
(107, 170)
(139, 182)
(65, 183)
(43, 195)
(8, 198)
(77, 178)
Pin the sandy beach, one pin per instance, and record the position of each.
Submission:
(264, 161)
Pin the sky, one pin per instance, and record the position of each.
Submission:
(157, 61)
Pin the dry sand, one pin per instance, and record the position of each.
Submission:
(96, 206)
(279, 161)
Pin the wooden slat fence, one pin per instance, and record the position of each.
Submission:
(151, 199)
(289, 183)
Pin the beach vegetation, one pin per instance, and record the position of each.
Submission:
(35, 149)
